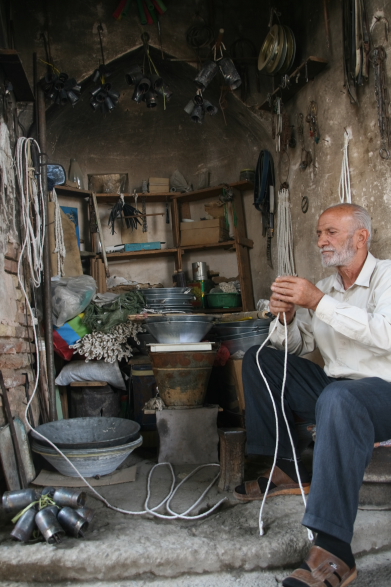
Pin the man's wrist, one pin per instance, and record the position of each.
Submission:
(281, 319)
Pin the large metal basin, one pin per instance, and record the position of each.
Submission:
(175, 331)
(90, 432)
(182, 377)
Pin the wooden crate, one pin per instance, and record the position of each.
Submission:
(204, 232)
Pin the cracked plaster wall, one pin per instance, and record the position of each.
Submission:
(145, 143)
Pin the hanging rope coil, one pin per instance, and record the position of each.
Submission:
(285, 260)
(344, 191)
(59, 236)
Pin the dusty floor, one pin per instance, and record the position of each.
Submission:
(224, 549)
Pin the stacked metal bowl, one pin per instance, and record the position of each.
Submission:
(96, 446)
(242, 334)
(169, 299)
(178, 329)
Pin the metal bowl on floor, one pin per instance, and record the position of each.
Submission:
(177, 331)
(89, 462)
(92, 432)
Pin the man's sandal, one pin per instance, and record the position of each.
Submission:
(326, 570)
(284, 486)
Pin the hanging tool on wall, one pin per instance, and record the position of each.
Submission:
(243, 53)
(312, 119)
(306, 157)
(144, 213)
(378, 57)
(264, 198)
(356, 46)
(123, 210)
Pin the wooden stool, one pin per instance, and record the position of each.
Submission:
(232, 443)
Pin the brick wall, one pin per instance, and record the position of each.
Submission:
(16, 340)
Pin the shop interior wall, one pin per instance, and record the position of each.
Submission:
(143, 143)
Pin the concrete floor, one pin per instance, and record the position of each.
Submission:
(224, 549)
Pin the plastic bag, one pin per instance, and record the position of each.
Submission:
(178, 182)
(94, 371)
(70, 296)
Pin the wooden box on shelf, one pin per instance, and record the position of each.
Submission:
(204, 232)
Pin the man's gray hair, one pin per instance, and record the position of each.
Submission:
(361, 217)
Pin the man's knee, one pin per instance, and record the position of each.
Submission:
(334, 399)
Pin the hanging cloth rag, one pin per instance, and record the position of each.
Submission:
(264, 198)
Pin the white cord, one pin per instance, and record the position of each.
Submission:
(59, 236)
(33, 223)
(285, 260)
(344, 191)
(261, 529)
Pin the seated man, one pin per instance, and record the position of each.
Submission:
(347, 316)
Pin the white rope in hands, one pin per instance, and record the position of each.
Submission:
(344, 191)
(59, 236)
(285, 260)
(261, 529)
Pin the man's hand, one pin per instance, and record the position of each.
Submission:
(279, 307)
(296, 291)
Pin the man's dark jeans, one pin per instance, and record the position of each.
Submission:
(350, 415)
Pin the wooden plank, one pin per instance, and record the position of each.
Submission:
(211, 192)
(155, 197)
(68, 191)
(103, 252)
(131, 254)
(8, 460)
(175, 223)
(242, 255)
(185, 210)
(229, 245)
(14, 71)
(307, 71)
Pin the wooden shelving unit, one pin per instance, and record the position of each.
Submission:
(14, 72)
(239, 245)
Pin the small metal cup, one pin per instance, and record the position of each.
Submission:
(231, 76)
(72, 522)
(210, 109)
(206, 74)
(164, 91)
(86, 513)
(150, 99)
(24, 527)
(49, 526)
(134, 75)
(189, 106)
(73, 498)
(15, 501)
(198, 114)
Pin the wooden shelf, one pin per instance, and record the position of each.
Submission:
(112, 198)
(131, 254)
(211, 192)
(68, 191)
(298, 79)
(224, 244)
(15, 73)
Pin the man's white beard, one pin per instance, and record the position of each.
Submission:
(340, 258)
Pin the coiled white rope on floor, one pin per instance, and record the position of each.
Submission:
(261, 525)
(285, 260)
(344, 191)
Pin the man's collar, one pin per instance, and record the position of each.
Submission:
(364, 276)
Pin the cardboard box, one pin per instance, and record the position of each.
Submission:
(159, 184)
(204, 232)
